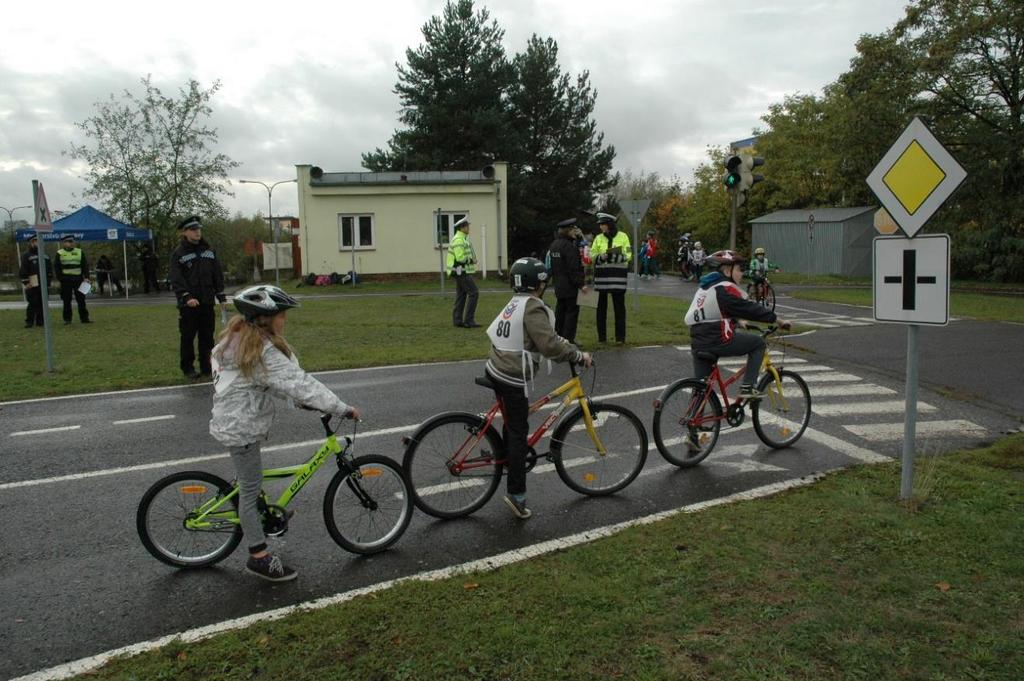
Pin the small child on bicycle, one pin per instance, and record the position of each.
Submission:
(758, 269)
(712, 316)
(522, 333)
(253, 364)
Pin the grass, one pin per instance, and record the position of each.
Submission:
(137, 346)
(833, 581)
(971, 305)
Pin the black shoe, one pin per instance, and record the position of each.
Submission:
(519, 509)
(87, 321)
(67, 322)
(29, 326)
(458, 325)
(191, 374)
(471, 325)
(271, 568)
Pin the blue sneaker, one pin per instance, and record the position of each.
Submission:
(518, 507)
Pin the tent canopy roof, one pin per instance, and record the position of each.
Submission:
(89, 224)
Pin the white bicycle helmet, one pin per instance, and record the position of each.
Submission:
(263, 300)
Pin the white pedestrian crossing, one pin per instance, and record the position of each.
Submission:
(884, 432)
(857, 408)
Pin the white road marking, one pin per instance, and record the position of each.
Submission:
(165, 417)
(844, 390)
(487, 564)
(831, 377)
(882, 432)
(852, 408)
(43, 431)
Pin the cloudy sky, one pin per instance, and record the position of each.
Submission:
(312, 82)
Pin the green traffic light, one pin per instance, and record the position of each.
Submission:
(731, 180)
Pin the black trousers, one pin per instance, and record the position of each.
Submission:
(749, 344)
(149, 280)
(516, 432)
(192, 322)
(69, 287)
(567, 315)
(619, 302)
(466, 294)
(34, 310)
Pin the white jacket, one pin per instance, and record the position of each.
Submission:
(243, 408)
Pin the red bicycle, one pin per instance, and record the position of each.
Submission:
(762, 293)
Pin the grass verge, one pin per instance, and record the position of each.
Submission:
(973, 305)
(137, 346)
(833, 581)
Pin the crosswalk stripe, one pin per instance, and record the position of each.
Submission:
(848, 321)
(881, 432)
(859, 389)
(804, 322)
(852, 408)
(831, 377)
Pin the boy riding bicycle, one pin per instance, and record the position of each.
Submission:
(758, 269)
(521, 334)
(712, 318)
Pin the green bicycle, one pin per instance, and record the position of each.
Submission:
(190, 519)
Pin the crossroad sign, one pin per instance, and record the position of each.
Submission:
(44, 223)
(911, 279)
(915, 177)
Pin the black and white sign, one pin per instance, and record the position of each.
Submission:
(911, 279)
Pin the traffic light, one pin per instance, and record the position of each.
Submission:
(732, 178)
(746, 166)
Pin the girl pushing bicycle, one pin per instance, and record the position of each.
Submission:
(253, 364)
(521, 334)
(712, 318)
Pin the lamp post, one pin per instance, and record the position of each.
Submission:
(270, 220)
(10, 213)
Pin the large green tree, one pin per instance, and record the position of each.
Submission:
(151, 158)
(464, 104)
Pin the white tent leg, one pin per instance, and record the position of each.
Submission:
(124, 245)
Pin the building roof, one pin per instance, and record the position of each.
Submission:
(425, 177)
(820, 214)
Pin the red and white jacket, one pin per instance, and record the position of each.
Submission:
(716, 306)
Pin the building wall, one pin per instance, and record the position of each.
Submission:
(404, 232)
(842, 248)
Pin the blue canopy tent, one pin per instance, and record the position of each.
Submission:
(89, 224)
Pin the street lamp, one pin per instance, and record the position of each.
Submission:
(270, 219)
(10, 214)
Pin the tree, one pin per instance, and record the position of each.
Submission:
(465, 104)
(452, 92)
(558, 163)
(150, 158)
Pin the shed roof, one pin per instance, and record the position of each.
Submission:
(420, 177)
(820, 214)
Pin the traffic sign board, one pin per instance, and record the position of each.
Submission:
(911, 279)
(915, 177)
(884, 224)
(635, 209)
(44, 223)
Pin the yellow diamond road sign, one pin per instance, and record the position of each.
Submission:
(915, 177)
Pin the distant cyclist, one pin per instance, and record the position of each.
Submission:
(758, 268)
(521, 335)
(253, 364)
(713, 315)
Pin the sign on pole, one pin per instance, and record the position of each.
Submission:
(635, 209)
(911, 276)
(43, 223)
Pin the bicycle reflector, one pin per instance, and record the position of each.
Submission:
(372, 472)
(193, 489)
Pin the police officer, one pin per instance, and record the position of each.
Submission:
(462, 265)
(612, 255)
(198, 281)
(29, 274)
(567, 274)
(72, 269)
(149, 264)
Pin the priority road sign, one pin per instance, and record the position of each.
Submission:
(911, 279)
(915, 177)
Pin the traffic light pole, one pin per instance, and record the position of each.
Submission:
(734, 196)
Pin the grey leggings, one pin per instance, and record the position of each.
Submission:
(749, 344)
(249, 468)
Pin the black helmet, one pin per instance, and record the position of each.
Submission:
(257, 301)
(726, 257)
(527, 274)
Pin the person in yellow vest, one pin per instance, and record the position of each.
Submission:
(72, 269)
(611, 254)
(462, 266)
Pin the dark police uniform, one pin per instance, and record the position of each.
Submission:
(567, 274)
(72, 269)
(33, 294)
(195, 273)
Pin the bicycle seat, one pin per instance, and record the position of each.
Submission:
(706, 356)
(485, 382)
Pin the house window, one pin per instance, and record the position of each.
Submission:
(444, 226)
(361, 225)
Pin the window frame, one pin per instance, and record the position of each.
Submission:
(453, 217)
(357, 228)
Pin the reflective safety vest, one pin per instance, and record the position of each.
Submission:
(461, 256)
(70, 262)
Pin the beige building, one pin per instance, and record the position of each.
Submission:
(390, 223)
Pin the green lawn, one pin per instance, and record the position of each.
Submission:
(832, 581)
(972, 305)
(137, 346)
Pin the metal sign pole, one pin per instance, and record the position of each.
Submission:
(43, 284)
(910, 412)
(636, 262)
(440, 244)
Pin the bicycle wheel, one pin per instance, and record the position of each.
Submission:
(170, 502)
(579, 463)
(367, 510)
(451, 467)
(768, 299)
(782, 415)
(687, 422)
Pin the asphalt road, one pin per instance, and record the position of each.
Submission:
(77, 581)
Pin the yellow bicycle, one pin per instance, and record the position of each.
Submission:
(454, 460)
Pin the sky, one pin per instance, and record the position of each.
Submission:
(313, 82)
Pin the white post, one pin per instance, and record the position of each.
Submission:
(125, 252)
(483, 248)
